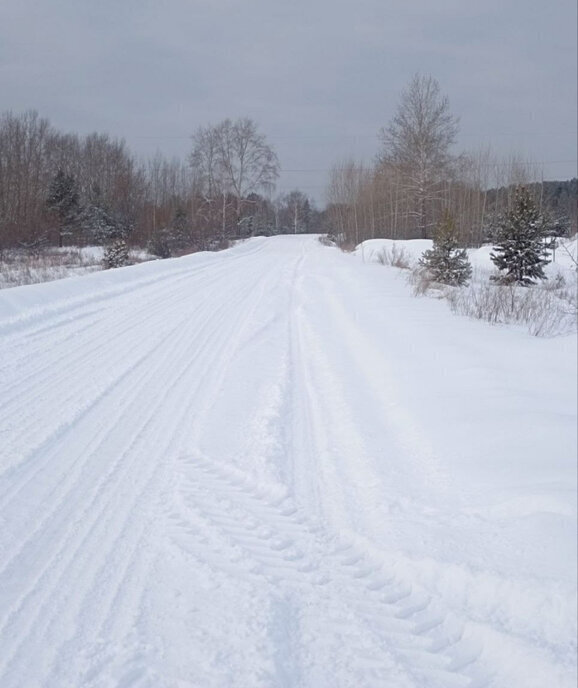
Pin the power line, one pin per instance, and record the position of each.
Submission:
(491, 164)
(280, 137)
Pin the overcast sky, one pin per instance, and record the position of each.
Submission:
(320, 77)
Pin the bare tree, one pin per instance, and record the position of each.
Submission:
(205, 162)
(417, 142)
(295, 212)
(24, 175)
(250, 164)
(344, 197)
(233, 159)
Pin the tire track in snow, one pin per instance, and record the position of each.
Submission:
(221, 331)
(204, 313)
(112, 420)
(74, 538)
(331, 427)
(62, 377)
(114, 330)
(208, 386)
(34, 317)
(64, 325)
(404, 634)
(126, 316)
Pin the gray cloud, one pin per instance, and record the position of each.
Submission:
(320, 77)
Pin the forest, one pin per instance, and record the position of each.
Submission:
(63, 189)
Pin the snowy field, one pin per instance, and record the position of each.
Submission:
(549, 308)
(562, 262)
(274, 467)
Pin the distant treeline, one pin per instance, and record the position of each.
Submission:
(66, 189)
(558, 198)
(59, 189)
(375, 202)
(416, 179)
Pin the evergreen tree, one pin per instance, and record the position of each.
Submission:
(519, 252)
(63, 200)
(100, 225)
(179, 231)
(170, 240)
(160, 244)
(445, 262)
(116, 254)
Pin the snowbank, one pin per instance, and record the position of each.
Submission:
(369, 251)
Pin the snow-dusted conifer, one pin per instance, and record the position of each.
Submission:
(160, 244)
(180, 230)
(63, 200)
(445, 262)
(116, 254)
(519, 252)
(101, 225)
(172, 239)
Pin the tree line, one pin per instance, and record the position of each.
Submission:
(416, 179)
(64, 189)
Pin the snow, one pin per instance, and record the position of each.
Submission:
(564, 261)
(273, 466)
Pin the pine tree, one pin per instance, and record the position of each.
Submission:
(179, 231)
(172, 239)
(160, 244)
(445, 262)
(99, 225)
(116, 254)
(519, 252)
(63, 199)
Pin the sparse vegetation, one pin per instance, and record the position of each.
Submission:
(544, 311)
(20, 266)
(421, 280)
(394, 256)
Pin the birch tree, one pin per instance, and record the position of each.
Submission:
(418, 142)
(232, 159)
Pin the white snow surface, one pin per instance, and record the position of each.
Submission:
(562, 261)
(272, 466)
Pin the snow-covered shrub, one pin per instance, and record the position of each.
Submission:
(116, 254)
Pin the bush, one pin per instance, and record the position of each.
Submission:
(394, 256)
(159, 245)
(545, 312)
(421, 280)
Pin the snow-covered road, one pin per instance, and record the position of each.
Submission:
(271, 466)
